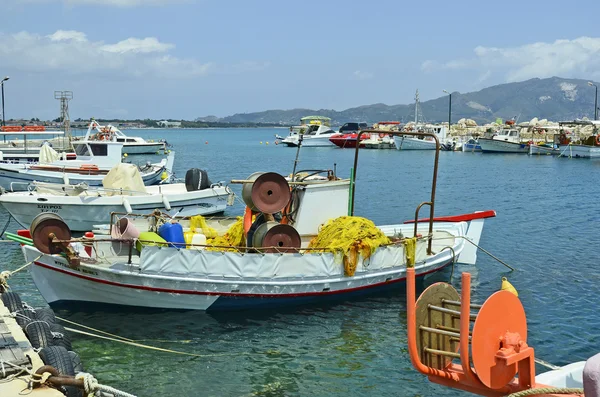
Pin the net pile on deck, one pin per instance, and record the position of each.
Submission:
(348, 237)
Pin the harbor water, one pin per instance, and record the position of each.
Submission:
(547, 228)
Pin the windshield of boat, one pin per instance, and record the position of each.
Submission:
(99, 149)
(81, 149)
(512, 133)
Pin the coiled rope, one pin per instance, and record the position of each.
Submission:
(547, 390)
(93, 388)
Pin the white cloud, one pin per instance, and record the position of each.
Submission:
(566, 58)
(361, 75)
(141, 46)
(71, 52)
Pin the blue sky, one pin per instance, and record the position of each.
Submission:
(191, 58)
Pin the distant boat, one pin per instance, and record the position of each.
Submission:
(507, 140)
(472, 145)
(131, 144)
(311, 127)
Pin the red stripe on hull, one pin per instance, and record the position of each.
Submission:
(190, 292)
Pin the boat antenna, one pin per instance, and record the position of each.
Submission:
(300, 137)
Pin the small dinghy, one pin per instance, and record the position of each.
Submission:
(83, 207)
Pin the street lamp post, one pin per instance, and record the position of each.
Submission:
(596, 101)
(3, 120)
(2, 84)
(449, 109)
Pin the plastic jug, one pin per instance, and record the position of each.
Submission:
(173, 234)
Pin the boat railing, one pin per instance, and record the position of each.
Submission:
(84, 187)
(430, 203)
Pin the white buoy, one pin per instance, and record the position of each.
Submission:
(165, 201)
(127, 206)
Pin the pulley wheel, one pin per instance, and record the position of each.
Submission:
(247, 190)
(41, 229)
(435, 295)
(270, 193)
(501, 313)
(261, 231)
(282, 238)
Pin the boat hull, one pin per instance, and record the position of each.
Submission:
(580, 151)
(497, 146)
(171, 278)
(19, 179)
(82, 213)
(543, 150)
(409, 143)
(143, 148)
(471, 147)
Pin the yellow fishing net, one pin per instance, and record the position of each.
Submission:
(349, 236)
(198, 223)
(234, 237)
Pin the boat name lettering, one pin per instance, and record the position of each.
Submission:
(49, 207)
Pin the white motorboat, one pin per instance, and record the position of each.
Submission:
(131, 144)
(93, 161)
(316, 131)
(255, 263)
(315, 136)
(507, 140)
(82, 207)
(383, 140)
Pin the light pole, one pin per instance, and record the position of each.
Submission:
(596, 101)
(449, 109)
(2, 84)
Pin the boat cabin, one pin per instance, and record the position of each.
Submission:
(508, 135)
(102, 154)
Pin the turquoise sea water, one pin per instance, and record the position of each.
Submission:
(547, 227)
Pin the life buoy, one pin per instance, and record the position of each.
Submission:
(598, 140)
(382, 135)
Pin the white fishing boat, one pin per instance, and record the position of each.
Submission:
(93, 161)
(23, 144)
(546, 149)
(83, 207)
(507, 140)
(576, 146)
(420, 142)
(279, 263)
(131, 144)
(316, 131)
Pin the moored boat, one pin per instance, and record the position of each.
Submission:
(507, 140)
(316, 131)
(261, 260)
(93, 162)
(83, 207)
(131, 144)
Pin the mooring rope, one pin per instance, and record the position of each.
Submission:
(94, 329)
(487, 252)
(5, 275)
(547, 390)
(93, 388)
(157, 348)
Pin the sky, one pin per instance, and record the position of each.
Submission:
(184, 59)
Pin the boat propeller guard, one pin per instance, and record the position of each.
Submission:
(50, 235)
(481, 349)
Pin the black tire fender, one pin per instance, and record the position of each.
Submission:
(60, 337)
(39, 334)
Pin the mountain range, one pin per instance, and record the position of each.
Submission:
(551, 98)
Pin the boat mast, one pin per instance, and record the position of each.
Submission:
(417, 107)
